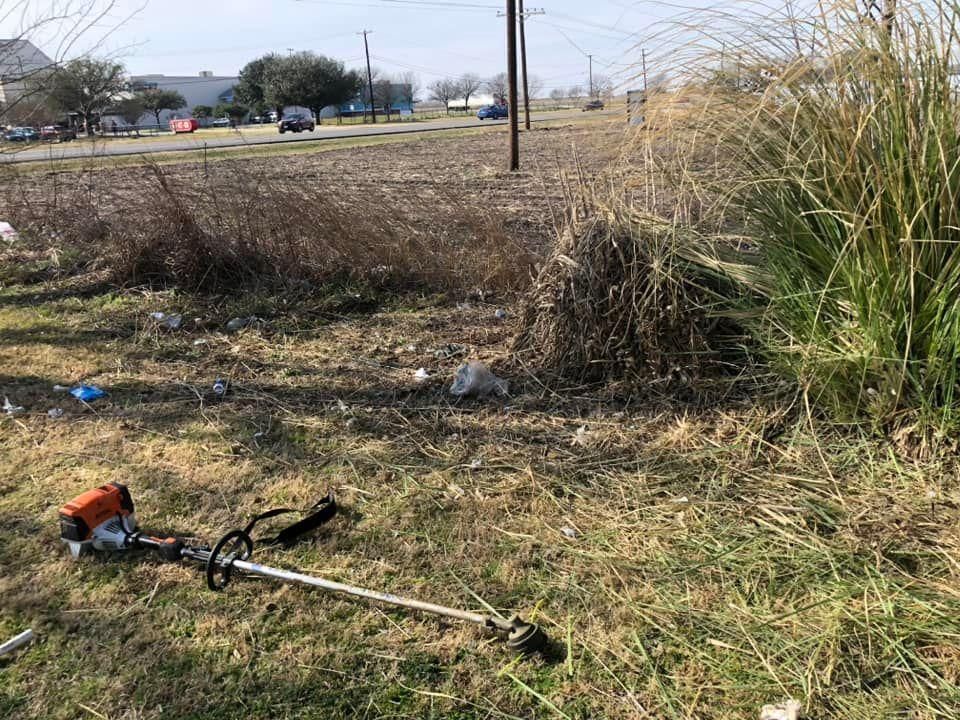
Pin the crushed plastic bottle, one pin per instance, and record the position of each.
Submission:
(238, 323)
(170, 322)
(450, 350)
(475, 378)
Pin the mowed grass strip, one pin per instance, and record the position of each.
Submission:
(720, 559)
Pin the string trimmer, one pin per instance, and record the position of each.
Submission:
(103, 520)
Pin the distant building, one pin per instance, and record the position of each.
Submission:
(400, 101)
(203, 89)
(20, 60)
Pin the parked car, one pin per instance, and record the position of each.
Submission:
(296, 123)
(493, 112)
(221, 122)
(22, 134)
(593, 105)
(57, 133)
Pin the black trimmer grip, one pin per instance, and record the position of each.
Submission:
(168, 548)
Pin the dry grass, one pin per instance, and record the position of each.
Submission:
(617, 300)
(431, 213)
(691, 563)
(722, 559)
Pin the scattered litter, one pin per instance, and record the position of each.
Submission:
(87, 393)
(500, 314)
(569, 532)
(475, 378)
(220, 387)
(201, 341)
(411, 348)
(450, 351)
(343, 407)
(10, 408)
(789, 710)
(13, 643)
(7, 232)
(464, 306)
(421, 375)
(170, 322)
(55, 413)
(581, 437)
(258, 436)
(238, 323)
(476, 464)
(61, 388)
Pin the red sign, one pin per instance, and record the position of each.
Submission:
(184, 126)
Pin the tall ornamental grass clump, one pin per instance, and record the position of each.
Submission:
(841, 174)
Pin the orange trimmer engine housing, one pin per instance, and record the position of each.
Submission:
(102, 518)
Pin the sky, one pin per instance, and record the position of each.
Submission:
(434, 38)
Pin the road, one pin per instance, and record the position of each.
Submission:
(252, 136)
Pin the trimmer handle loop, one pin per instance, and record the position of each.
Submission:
(235, 545)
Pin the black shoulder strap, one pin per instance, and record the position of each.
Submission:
(321, 512)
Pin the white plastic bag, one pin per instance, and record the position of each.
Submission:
(475, 378)
(7, 232)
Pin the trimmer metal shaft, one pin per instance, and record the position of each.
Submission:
(521, 636)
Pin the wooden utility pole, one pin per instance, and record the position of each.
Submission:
(591, 76)
(512, 82)
(523, 67)
(643, 59)
(366, 47)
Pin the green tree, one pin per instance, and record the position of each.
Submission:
(130, 109)
(156, 101)
(234, 111)
(251, 88)
(202, 111)
(87, 86)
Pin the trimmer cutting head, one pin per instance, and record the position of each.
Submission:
(522, 637)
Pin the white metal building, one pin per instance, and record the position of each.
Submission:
(203, 89)
(19, 61)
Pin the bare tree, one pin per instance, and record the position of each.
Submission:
(385, 94)
(498, 87)
(409, 87)
(468, 85)
(603, 86)
(443, 91)
(24, 67)
(534, 86)
(575, 92)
